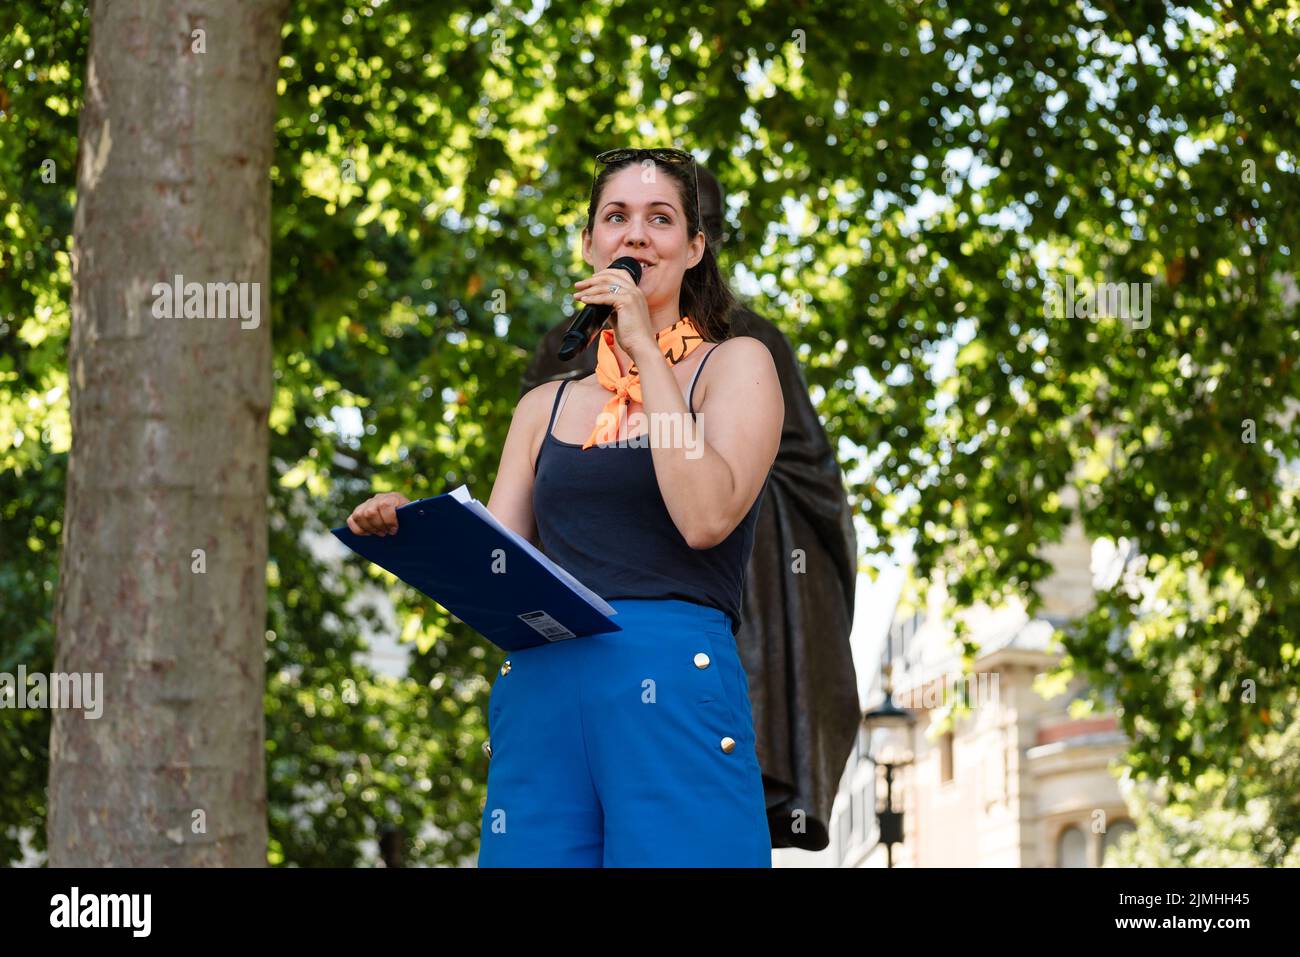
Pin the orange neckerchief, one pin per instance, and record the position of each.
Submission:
(676, 342)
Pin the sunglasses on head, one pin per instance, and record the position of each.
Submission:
(660, 155)
(675, 157)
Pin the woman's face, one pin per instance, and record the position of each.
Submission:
(644, 220)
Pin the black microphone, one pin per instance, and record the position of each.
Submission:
(589, 322)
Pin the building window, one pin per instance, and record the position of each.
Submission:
(1113, 834)
(945, 757)
(1072, 848)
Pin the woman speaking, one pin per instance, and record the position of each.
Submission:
(636, 748)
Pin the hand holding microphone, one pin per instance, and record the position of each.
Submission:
(612, 293)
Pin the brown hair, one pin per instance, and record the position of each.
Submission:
(705, 295)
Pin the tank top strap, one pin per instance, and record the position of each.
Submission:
(691, 400)
(555, 406)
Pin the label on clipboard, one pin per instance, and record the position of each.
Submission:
(546, 626)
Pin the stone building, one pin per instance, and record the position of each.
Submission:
(1018, 782)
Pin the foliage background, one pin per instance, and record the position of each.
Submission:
(902, 177)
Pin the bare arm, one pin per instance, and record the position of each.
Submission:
(710, 483)
(511, 501)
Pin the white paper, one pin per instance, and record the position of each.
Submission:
(461, 494)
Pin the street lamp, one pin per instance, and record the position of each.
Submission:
(889, 745)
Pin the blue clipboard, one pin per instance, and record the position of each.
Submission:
(456, 552)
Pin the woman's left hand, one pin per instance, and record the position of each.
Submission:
(631, 315)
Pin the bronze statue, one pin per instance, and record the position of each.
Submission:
(798, 609)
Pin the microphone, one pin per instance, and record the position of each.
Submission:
(589, 322)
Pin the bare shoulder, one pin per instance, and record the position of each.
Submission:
(744, 345)
(534, 407)
(738, 356)
(533, 414)
(538, 398)
(744, 370)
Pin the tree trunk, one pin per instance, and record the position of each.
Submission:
(169, 441)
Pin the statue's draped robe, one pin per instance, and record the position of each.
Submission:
(798, 602)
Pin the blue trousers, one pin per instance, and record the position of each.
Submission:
(628, 749)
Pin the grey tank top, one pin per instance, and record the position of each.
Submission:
(625, 545)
